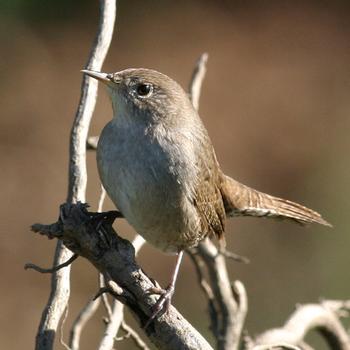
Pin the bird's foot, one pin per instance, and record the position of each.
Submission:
(163, 303)
(98, 219)
(108, 216)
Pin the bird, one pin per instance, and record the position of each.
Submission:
(158, 165)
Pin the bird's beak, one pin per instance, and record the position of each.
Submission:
(103, 77)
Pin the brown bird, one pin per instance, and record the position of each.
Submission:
(158, 165)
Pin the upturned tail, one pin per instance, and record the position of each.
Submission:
(240, 200)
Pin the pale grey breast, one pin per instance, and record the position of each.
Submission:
(151, 176)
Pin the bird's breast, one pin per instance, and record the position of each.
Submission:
(151, 183)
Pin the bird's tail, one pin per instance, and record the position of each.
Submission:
(240, 200)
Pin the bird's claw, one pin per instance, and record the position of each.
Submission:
(98, 219)
(156, 290)
(163, 303)
(109, 217)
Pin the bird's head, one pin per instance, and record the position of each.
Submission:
(144, 95)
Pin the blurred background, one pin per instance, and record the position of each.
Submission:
(275, 101)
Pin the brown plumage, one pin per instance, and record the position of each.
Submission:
(218, 197)
(241, 200)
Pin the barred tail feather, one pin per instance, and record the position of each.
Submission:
(240, 200)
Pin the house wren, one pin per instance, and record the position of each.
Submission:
(158, 165)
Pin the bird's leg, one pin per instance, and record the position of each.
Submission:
(163, 303)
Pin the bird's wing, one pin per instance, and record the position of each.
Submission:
(241, 200)
(207, 196)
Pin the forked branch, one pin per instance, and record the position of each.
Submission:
(115, 257)
(323, 317)
(60, 281)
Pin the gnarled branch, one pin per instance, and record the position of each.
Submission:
(115, 257)
(323, 317)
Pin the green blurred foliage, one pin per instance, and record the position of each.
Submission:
(44, 10)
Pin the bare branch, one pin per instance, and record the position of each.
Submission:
(233, 307)
(60, 284)
(79, 323)
(280, 346)
(227, 315)
(64, 319)
(101, 200)
(138, 243)
(86, 106)
(304, 346)
(131, 333)
(233, 256)
(58, 299)
(197, 79)
(240, 296)
(323, 317)
(112, 327)
(52, 269)
(232, 314)
(208, 292)
(116, 316)
(104, 297)
(114, 257)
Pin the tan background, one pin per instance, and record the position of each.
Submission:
(275, 102)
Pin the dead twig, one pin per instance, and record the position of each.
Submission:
(112, 326)
(79, 323)
(233, 256)
(131, 333)
(280, 346)
(52, 269)
(323, 317)
(197, 78)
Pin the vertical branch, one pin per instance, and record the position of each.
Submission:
(231, 311)
(232, 315)
(197, 80)
(80, 128)
(60, 282)
(110, 333)
(79, 323)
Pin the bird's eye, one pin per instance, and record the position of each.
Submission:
(144, 90)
